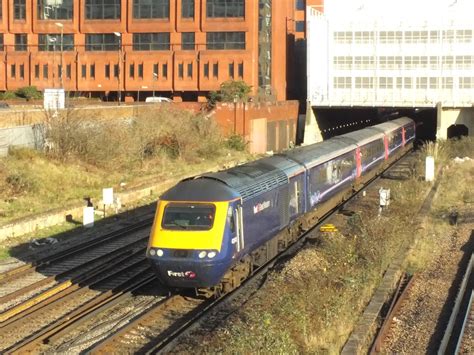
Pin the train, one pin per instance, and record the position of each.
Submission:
(211, 231)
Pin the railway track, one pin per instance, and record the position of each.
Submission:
(20, 332)
(459, 331)
(50, 323)
(63, 269)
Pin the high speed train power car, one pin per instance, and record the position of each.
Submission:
(211, 231)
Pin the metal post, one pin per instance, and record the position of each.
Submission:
(155, 78)
(119, 35)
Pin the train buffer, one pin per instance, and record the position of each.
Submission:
(328, 228)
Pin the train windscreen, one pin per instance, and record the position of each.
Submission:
(179, 216)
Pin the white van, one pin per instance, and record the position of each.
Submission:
(155, 99)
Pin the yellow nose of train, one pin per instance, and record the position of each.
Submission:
(190, 245)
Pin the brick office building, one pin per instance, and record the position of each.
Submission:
(178, 48)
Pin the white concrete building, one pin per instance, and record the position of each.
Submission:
(381, 53)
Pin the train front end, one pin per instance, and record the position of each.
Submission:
(190, 244)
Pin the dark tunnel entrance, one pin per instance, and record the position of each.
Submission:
(337, 121)
(457, 131)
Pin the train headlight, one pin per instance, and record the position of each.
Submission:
(202, 255)
(159, 252)
(152, 252)
(211, 254)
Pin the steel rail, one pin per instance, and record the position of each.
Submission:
(80, 315)
(138, 269)
(19, 312)
(448, 334)
(77, 249)
(61, 275)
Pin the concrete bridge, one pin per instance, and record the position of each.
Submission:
(375, 55)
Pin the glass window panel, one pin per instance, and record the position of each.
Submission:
(188, 41)
(206, 70)
(151, 41)
(187, 8)
(52, 42)
(102, 9)
(225, 8)
(102, 42)
(21, 42)
(148, 9)
(55, 9)
(19, 9)
(225, 40)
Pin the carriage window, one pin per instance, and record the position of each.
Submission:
(188, 216)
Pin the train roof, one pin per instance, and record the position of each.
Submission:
(197, 189)
(253, 178)
(318, 153)
(362, 136)
(403, 121)
(390, 126)
(289, 166)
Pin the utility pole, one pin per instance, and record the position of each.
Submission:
(119, 35)
(61, 26)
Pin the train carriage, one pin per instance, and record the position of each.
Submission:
(331, 167)
(210, 231)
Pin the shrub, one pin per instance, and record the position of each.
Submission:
(230, 91)
(236, 142)
(8, 95)
(29, 93)
(153, 134)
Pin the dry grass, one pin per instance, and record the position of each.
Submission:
(313, 303)
(82, 156)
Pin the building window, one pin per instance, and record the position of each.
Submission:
(206, 70)
(68, 71)
(37, 71)
(22, 71)
(131, 71)
(300, 26)
(155, 71)
(45, 71)
(52, 42)
(187, 8)
(1, 43)
(102, 9)
(187, 41)
(21, 42)
(165, 71)
(116, 71)
(55, 10)
(60, 71)
(225, 40)
(190, 70)
(140, 70)
(225, 8)
(300, 5)
(215, 70)
(19, 9)
(151, 41)
(143, 9)
(180, 70)
(107, 71)
(83, 70)
(13, 70)
(240, 70)
(102, 42)
(231, 70)
(92, 71)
